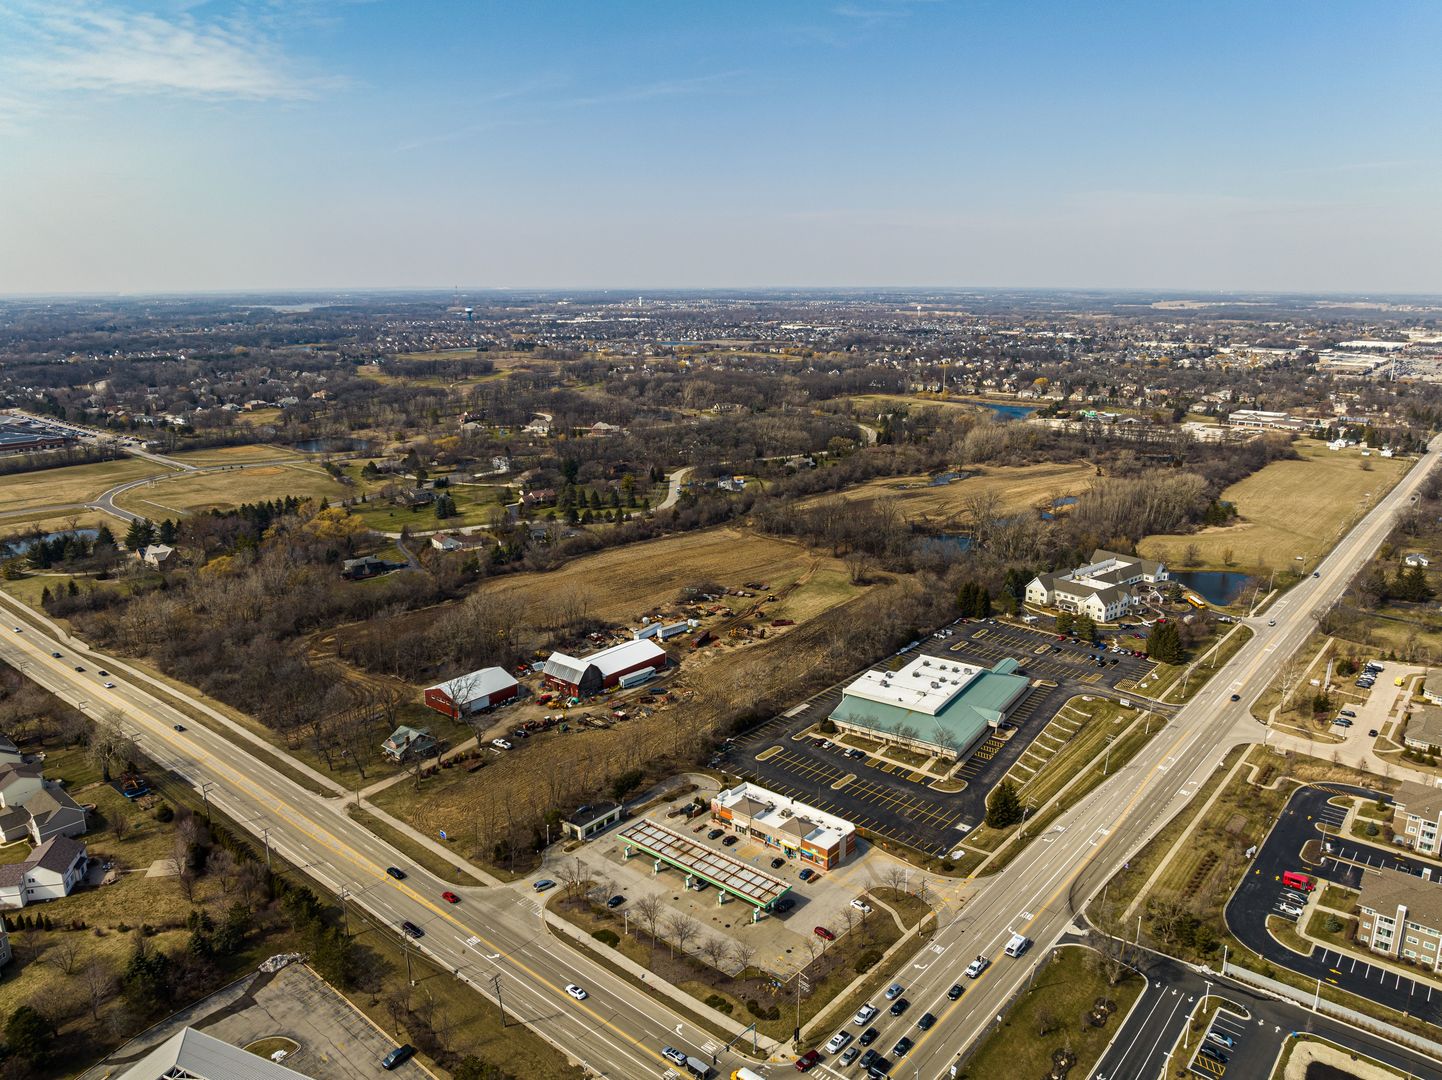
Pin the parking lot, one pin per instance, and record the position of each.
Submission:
(1263, 892)
(893, 801)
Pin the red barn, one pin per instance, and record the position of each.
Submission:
(581, 676)
(466, 694)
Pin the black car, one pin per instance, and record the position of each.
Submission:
(955, 992)
(1236, 697)
(777, 864)
(926, 1021)
(867, 1058)
(412, 930)
(868, 1037)
(396, 872)
(616, 901)
(399, 1056)
(56, 655)
(899, 1006)
(728, 841)
(179, 727)
(902, 1047)
(1216, 1055)
(713, 834)
(783, 905)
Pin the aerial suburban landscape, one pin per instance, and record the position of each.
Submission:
(672, 651)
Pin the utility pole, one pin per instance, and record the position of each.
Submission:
(406, 948)
(500, 1002)
(344, 910)
(265, 838)
(205, 796)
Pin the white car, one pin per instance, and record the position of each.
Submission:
(109, 685)
(576, 992)
(838, 1042)
(17, 629)
(1288, 909)
(976, 967)
(500, 744)
(864, 1015)
(861, 906)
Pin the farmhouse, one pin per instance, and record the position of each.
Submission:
(1417, 816)
(407, 742)
(581, 676)
(466, 694)
(938, 706)
(800, 831)
(1401, 916)
(1424, 730)
(1103, 589)
(52, 871)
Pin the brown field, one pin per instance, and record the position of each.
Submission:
(191, 492)
(623, 583)
(235, 455)
(73, 484)
(1289, 509)
(1020, 488)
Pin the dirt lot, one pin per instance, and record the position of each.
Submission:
(189, 493)
(1289, 508)
(1020, 488)
(74, 484)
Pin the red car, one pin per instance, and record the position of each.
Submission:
(808, 1061)
(824, 934)
(450, 897)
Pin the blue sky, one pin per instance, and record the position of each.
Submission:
(302, 143)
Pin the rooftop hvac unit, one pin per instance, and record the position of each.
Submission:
(926, 663)
(936, 686)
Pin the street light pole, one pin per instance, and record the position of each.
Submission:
(265, 838)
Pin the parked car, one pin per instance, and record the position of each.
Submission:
(824, 934)
(397, 1057)
(396, 872)
(543, 885)
(616, 901)
(807, 874)
(714, 833)
(501, 744)
(729, 841)
(1348, 713)
(783, 905)
(777, 863)
(1218, 1037)
(1372, 732)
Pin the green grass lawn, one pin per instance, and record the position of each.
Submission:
(1060, 998)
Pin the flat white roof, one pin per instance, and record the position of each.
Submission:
(827, 830)
(476, 685)
(925, 685)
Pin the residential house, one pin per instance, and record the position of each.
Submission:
(1417, 559)
(1401, 917)
(365, 567)
(52, 871)
(1417, 817)
(1424, 729)
(10, 753)
(408, 742)
(450, 542)
(158, 556)
(1432, 687)
(54, 813)
(20, 783)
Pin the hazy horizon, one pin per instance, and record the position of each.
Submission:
(159, 147)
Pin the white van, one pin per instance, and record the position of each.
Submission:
(1018, 944)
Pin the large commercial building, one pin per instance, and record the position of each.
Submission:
(938, 706)
(471, 693)
(585, 675)
(1104, 589)
(800, 831)
(1401, 917)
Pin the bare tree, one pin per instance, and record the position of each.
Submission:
(741, 953)
(222, 866)
(648, 911)
(64, 952)
(715, 950)
(681, 930)
(99, 981)
(119, 822)
(250, 882)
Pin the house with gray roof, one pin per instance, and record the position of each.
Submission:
(52, 871)
(1417, 816)
(1424, 730)
(54, 813)
(1432, 687)
(1104, 589)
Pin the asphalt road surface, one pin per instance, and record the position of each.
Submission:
(1140, 1049)
(619, 1030)
(1261, 891)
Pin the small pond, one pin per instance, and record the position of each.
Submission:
(333, 446)
(20, 547)
(1218, 587)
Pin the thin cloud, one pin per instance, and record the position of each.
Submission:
(647, 91)
(69, 48)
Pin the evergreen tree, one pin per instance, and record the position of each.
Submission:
(445, 507)
(140, 534)
(1164, 643)
(167, 531)
(1064, 622)
(1085, 628)
(29, 1035)
(104, 537)
(1004, 808)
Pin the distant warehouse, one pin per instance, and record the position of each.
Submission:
(586, 675)
(472, 693)
(938, 706)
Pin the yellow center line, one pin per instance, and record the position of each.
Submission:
(342, 850)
